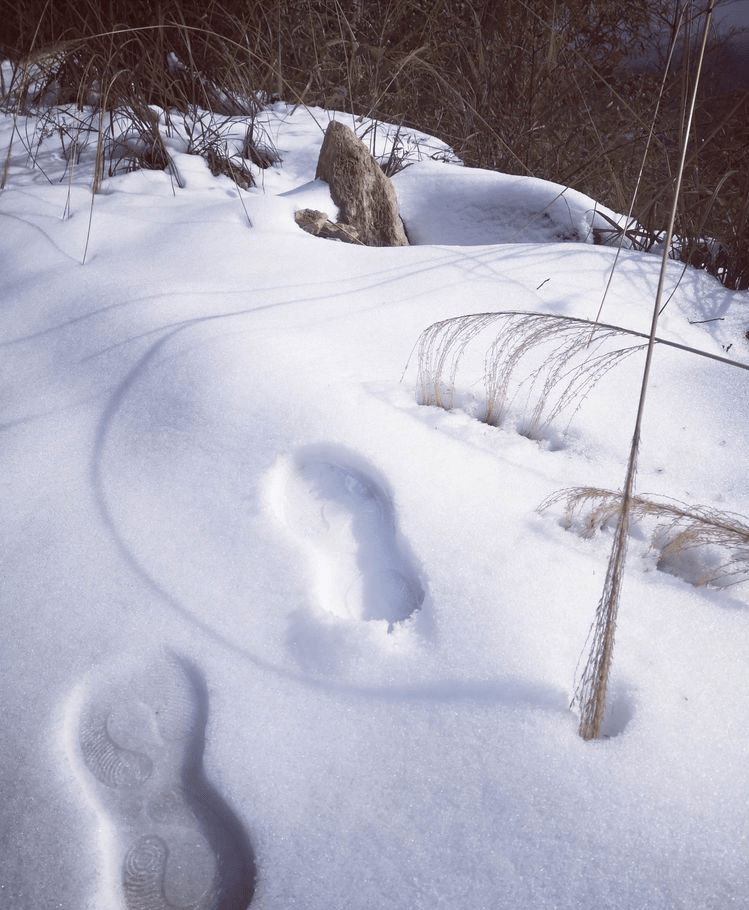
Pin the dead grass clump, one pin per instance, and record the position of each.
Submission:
(110, 74)
(702, 545)
(550, 363)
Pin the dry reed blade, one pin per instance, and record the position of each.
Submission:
(591, 691)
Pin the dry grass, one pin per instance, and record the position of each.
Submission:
(591, 692)
(549, 363)
(568, 357)
(573, 356)
(701, 544)
(121, 84)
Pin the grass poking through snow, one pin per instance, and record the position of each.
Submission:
(549, 362)
(701, 544)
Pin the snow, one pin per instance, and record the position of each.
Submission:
(262, 610)
(467, 207)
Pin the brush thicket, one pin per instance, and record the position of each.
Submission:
(575, 111)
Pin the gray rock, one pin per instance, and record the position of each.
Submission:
(366, 200)
(318, 223)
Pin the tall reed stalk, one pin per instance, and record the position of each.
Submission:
(591, 692)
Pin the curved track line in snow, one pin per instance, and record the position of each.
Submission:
(177, 844)
(500, 691)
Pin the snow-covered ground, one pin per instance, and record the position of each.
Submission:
(272, 626)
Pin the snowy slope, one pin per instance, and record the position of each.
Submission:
(271, 626)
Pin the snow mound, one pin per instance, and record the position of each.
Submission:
(444, 204)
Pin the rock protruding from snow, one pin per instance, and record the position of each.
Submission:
(318, 223)
(364, 195)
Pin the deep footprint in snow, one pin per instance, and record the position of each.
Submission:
(346, 520)
(140, 742)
